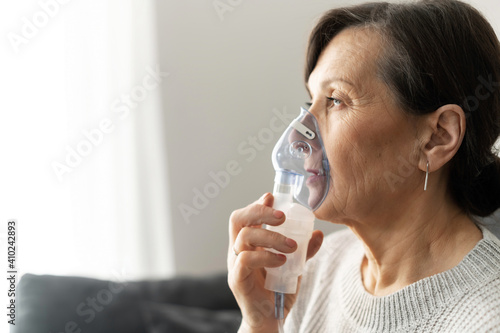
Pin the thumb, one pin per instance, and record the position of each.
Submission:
(314, 243)
(267, 199)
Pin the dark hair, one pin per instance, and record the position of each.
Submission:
(437, 52)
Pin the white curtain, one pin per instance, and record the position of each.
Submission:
(82, 132)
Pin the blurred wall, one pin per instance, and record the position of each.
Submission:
(235, 66)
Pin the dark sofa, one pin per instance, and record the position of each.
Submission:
(55, 304)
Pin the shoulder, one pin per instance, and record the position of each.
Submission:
(487, 251)
(489, 234)
(479, 308)
(492, 223)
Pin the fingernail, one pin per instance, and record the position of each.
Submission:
(264, 196)
(290, 242)
(281, 256)
(278, 214)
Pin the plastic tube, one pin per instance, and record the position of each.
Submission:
(279, 310)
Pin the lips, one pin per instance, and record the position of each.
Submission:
(316, 176)
(316, 172)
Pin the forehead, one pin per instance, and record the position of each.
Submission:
(351, 56)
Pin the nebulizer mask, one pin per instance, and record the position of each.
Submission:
(300, 186)
(300, 162)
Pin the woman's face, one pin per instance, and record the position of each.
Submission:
(370, 142)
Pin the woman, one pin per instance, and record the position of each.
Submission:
(407, 99)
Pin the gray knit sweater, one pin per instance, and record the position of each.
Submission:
(332, 297)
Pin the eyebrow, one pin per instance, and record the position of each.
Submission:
(336, 79)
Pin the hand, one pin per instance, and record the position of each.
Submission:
(246, 270)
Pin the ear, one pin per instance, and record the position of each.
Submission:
(443, 134)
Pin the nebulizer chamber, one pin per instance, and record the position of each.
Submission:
(302, 173)
(298, 226)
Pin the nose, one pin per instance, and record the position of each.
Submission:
(305, 133)
(300, 149)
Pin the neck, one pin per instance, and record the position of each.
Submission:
(400, 250)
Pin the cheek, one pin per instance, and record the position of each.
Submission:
(352, 153)
(360, 153)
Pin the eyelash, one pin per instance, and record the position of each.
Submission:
(333, 99)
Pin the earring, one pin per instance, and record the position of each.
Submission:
(426, 176)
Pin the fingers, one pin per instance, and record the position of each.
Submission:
(255, 214)
(267, 199)
(248, 261)
(250, 239)
(314, 243)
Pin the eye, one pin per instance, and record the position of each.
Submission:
(334, 101)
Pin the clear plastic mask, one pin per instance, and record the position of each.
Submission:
(300, 161)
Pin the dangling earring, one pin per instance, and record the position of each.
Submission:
(426, 176)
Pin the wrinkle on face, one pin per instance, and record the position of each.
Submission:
(364, 137)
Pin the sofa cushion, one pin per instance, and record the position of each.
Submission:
(166, 318)
(56, 304)
(73, 304)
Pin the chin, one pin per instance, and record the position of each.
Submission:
(315, 196)
(327, 211)
(324, 211)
